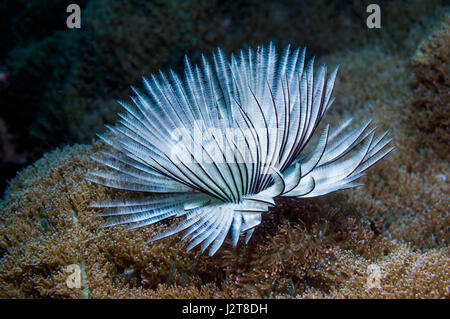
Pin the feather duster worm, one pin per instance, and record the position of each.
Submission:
(217, 147)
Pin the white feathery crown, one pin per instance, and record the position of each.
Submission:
(217, 148)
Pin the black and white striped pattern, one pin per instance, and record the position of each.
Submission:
(272, 105)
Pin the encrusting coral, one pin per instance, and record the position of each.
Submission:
(397, 226)
(430, 112)
(325, 251)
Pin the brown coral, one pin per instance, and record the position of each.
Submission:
(397, 226)
(430, 112)
(325, 252)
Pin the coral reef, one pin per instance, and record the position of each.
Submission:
(397, 225)
(313, 249)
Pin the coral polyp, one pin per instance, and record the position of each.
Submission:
(216, 148)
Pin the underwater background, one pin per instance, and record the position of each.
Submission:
(59, 86)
